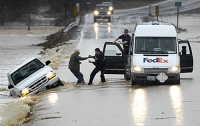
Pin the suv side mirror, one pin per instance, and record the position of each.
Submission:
(47, 62)
(10, 86)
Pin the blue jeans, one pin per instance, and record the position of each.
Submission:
(78, 75)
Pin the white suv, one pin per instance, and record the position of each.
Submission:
(32, 77)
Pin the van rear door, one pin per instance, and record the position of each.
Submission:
(186, 57)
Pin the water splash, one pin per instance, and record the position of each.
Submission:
(54, 55)
(17, 112)
(3, 89)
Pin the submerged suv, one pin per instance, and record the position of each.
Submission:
(102, 12)
(32, 77)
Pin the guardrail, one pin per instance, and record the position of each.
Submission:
(71, 25)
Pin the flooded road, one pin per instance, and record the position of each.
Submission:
(116, 103)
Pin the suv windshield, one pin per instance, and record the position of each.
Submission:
(155, 45)
(102, 8)
(26, 70)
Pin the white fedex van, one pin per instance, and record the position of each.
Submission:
(156, 54)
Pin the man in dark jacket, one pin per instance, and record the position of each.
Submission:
(74, 66)
(99, 65)
(126, 38)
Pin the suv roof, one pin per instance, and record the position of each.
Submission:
(101, 5)
(110, 3)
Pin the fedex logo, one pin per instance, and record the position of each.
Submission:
(157, 60)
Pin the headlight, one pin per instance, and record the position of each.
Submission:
(174, 69)
(25, 91)
(51, 75)
(110, 8)
(109, 13)
(137, 69)
(96, 13)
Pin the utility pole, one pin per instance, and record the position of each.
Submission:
(150, 10)
(177, 16)
(177, 4)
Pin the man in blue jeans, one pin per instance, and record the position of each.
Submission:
(74, 66)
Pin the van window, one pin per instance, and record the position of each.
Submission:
(112, 50)
(155, 45)
(187, 50)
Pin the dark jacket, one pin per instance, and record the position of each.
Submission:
(99, 60)
(74, 62)
(125, 38)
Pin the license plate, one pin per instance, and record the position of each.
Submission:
(151, 78)
(42, 89)
(102, 16)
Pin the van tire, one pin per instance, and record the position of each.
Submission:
(177, 81)
(174, 82)
(109, 19)
(127, 77)
(133, 82)
(95, 20)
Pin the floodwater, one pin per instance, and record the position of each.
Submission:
(16, 47)
(116, 103)
(13, 51)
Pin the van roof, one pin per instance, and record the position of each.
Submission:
(155, 30)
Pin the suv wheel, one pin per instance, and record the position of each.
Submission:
(60, 83)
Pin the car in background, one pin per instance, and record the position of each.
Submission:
(32, 77)
(102, 12)
(111, 8)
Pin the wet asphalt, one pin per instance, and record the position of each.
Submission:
(116, 103)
